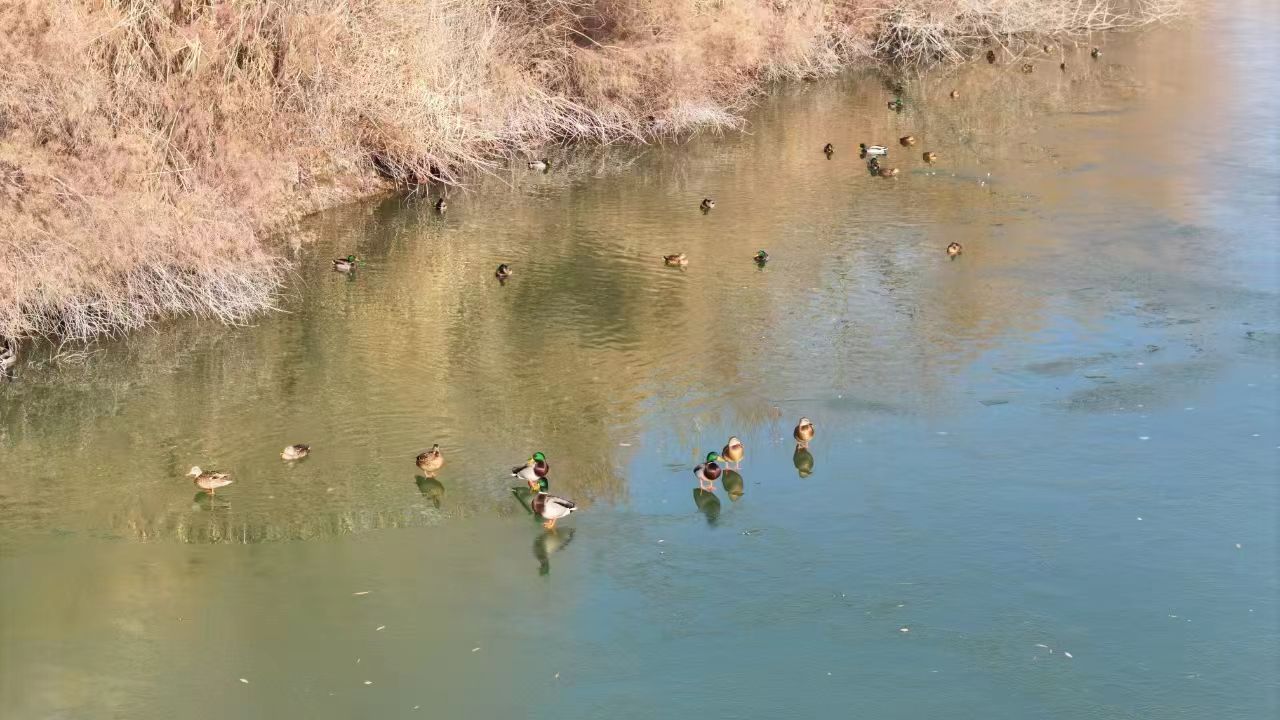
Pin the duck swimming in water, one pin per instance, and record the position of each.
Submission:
(346, 264)
(761, 257)
(209, 481)
(503, 272)
(295, 452)
(907, 140)
(930, 157)
(954, 249)
(676, 260)
(707, 204)
(828, 149)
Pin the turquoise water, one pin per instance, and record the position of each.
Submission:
(1064, 442)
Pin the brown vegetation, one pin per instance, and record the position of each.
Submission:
(147, 145)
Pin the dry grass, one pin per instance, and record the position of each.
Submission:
(147, 145)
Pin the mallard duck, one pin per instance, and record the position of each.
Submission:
(991, 56)
(552, 508)
(1062, 66)
(707, 204)
(733, 452)
(802, 459)
(209, 481)
(295, 452)
(534, 469)
(954, 249)
(8, 355)
(804, 432)
(676, 260)
(872, 150)
(888, 172)
(873, 166)
(761, 257)
(907, 140)
(930, 157)
(540, 164)
(1095, 53)
(503, 272)
(1028, 68)
(708, 472)
(431, 460)
(346, 264)
(828, 148)
(955, 94)
(895, 105)
(1046, 49)
(441, 206)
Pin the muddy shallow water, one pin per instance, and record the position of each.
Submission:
(1044, 483)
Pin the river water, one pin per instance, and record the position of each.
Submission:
(1044, 481)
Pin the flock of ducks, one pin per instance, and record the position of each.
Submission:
(533, 472)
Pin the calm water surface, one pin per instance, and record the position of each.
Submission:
(1066, 441)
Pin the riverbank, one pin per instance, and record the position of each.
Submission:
(148, 147)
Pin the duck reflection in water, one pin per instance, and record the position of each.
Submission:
(524, 495)
(733, 484)
(431, 489)
(803, 460)
(205, 502)
(548, 544)
(708, 504)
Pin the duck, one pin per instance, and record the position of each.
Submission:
(295, 452)
(1047, 50)
(872, 150)
(707, 204)
(503, 272)
(1095, 53)
(209, 481)
(441, 206)
(930, 157)
(1028, 68)
(991, 56)
(552, 508)
(873, 165)
(955, 94)
(954, 249)
(895, 105)
(828, 148)
(804, 432)
(761, 257)
(346, 264)
(708, 472)
(887, 172)
(542, 164)
(907, 140)
(430, 461)
(676, 260)
(534, 469)
(8, 356)
(733, 452)
(1062, 66)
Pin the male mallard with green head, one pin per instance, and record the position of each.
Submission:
(954, 249)
(346, 264)
(895, 105)
(503, 272)
(761, 257)
(676, 260)
(804, 432)
(295, 452)
(708, 472)
(431, 460)
(733, 452)
(534, 469)
(552, 508)
(707, 204)
(209, 481)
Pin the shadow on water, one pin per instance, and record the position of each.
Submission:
(431, 489)
(550, 543)
(733, 484)
(803, 460)
(708, 504)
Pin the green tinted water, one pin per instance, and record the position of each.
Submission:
(1066, 441)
